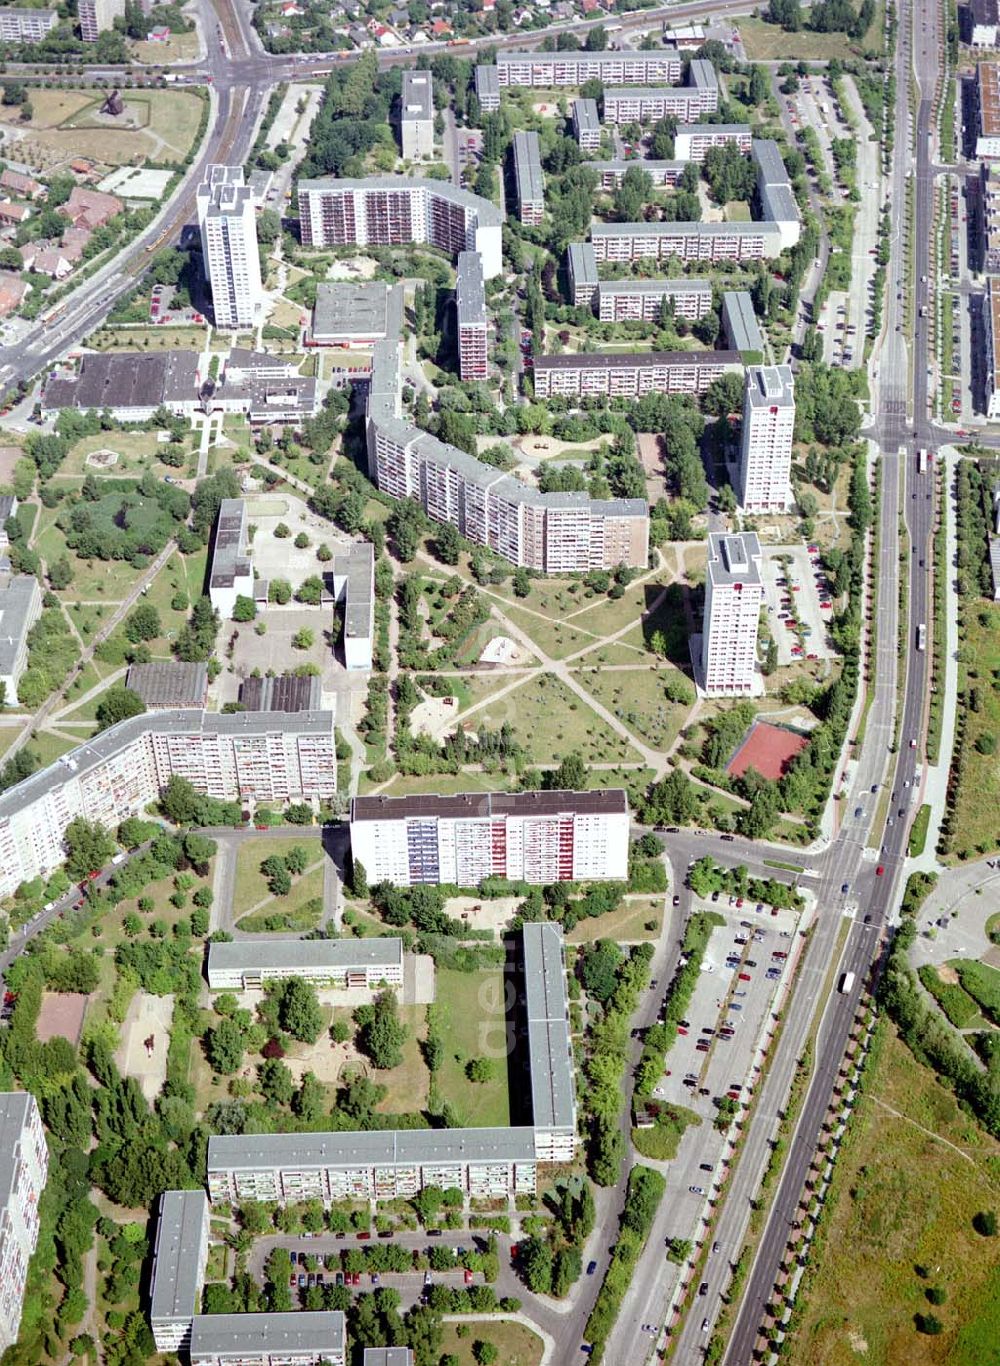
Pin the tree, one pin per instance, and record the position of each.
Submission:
(279, 880)
(480, 1069)
(985, 1223)
(484, 1352)
(60, 573)
(89, 846)
(381, 1035)
(275, 1082)
(299, 1012)
(928, 1324)
(309, 1101)
(599, 965)
(447, 543)
(224, 1047)
(535, 1260)
(359, 879)
(570, 776)
(303, 639)
(521, 582)
(143, 623)
(296, 860)
(282, 532)
(244, 609)
(118, 704)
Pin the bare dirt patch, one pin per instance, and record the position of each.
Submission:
(651, 454)
(433, 716)
(61, 1014)
(493, 914)
(145, 1037)
(947, 974)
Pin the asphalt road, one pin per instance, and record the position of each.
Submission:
(878, 895)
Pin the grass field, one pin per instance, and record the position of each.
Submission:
(251, 886)
(625, 925)
(93, 581)
(904, 1198)
(767, 42)
(550, 721)
(516, 1345)
(974, 821)
(68, 123)
(187, 338)
(637, 697)
(8, 734)
(135, 452)
(474, 1027)
(556, 639)
(445, 784)
(408, 1084)
(50, 747)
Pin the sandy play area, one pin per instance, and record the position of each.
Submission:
(493, 914)
(145, 1038)
(61, 1013)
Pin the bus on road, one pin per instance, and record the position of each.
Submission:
(922, 636)
(846, 982)
(922, 460)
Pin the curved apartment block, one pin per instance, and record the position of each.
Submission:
(389, 211)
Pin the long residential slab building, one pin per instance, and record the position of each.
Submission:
(388, 211)
(245, 756)
(24, 1167)
(179, 1260)
(631, 374)
(396, 1164)
(529, 183)
(575, 68)
(554, 533)
(645, 104)
(696, 241)
(991, 329)
(536, 837)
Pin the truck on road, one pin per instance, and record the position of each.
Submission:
(846, 982)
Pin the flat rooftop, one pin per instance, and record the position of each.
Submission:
(369, 1147)
(586, 115)
(251, 1336)
(696, 228)
(369, 310)
(230, 559)
(417, 98)
(126, 379)
(628, 360)
(742, 330)
(304, 953)
(17, 594)
(528, 168)
(646, 286)
(180, 1231)
(771, 386)
(482, 805)
(14, 1110)
(553, 1088)
(487, 213)
(169, 683)
(734, 558)
(989, 99)
(470, 291)
(357, 567)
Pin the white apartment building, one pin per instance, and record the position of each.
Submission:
(766, 439)
(416, 115)
(612, 173)
(471, 317)
(693, 140)
(630, 374)
(734, 593)
(20, 608)
(581, 273)
(396, 1164)
(300, 1338)
(536, 837)
(24, 1166)
(991, 319)
(487, 89)
(354, 589)
(988, 108)
(228, 222)
(643, 300)
(528, 179)
(775, 196)
(393, 210)
(26, 25)
(587, 125)
(639, 104)
(625, 242)
(345, 964)
(97, 16)
(231, 573)
(247, 756)
(574, 68)
(179, 1259)
(555, 533)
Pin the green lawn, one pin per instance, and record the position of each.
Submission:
(556, 639)
(638, 699)
(93, 581)
(251, 885)
(550, 721)
(51, 747)
(474, 1027)
(8, 734)
(974, 822)
(135, 451)
(516, 1345)
(767, 42)
(902, 1198)
(626, 925)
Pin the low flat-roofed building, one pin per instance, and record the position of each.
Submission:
(612, 173)
(179, 1257)
(740, 327)
(347, 964)
(20, 608)
(301, 1338)
(354, 589)
(130, 384)
(231, 572)
(350, 314)
(587, 124)
(281, 692)
(387, 1356)
(979, 24)
(169, 683)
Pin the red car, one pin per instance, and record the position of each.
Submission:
(879, 870)
(745, 977)
(680, 1030)
(468, 1276)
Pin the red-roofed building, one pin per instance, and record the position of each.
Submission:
(12, 291)
(90, 208)
(441, 29)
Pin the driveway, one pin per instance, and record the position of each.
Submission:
(964, 899)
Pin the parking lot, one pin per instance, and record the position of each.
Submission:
(794, 595)
(161, 309)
